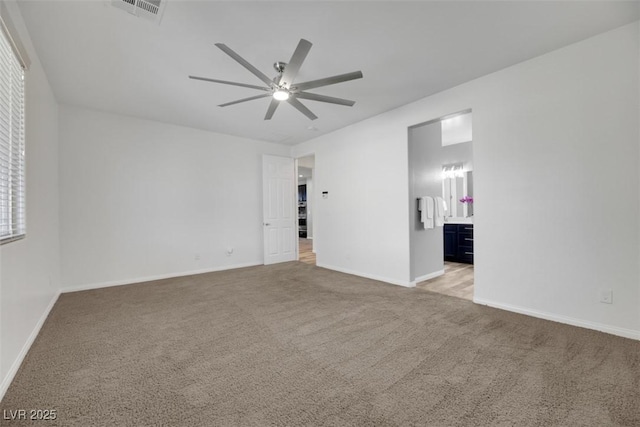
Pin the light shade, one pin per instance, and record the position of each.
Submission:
(281, 95)
(452, 171)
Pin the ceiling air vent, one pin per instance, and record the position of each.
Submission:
(149, 9)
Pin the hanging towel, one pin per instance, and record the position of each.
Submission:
(426, 208)
(439, 214)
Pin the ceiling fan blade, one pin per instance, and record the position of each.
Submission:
(324, 98)
(304, 110)
(272, 109)
(328, 80)
(226, 49)
(229, 83)
(292, 68)
(264, 95)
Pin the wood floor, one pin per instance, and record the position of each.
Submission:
(457, 281)
(306, 251)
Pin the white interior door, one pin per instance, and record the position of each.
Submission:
(279, 209)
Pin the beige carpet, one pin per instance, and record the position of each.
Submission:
(293, 344)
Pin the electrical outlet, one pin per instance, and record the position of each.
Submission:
(606, 296)
(197, 257)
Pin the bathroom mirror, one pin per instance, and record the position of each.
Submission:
(457, 191)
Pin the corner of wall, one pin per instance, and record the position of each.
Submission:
(30, 267)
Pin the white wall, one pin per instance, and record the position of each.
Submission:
(362, 226)
(29, 267)
(555, 143)
(141, 199)
(457, 129)
(425, 179)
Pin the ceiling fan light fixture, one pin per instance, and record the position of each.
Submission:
(281, 95)
(281, 87)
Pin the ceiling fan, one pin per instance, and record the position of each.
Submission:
(282, 87)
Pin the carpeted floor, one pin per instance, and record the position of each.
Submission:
(293, 344)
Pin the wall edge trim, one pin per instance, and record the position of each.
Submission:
(396, 282)
(600, 327)
(132, 281)
(15, 366)
(428, 276)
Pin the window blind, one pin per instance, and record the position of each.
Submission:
(12, 145)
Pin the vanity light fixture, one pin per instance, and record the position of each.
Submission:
(452, 171)
(445, 172)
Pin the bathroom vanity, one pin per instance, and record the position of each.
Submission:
(458, 243)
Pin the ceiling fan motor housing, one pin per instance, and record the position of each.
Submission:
(279, 66)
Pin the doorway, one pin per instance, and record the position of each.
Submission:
(306, 206)
(441, 205)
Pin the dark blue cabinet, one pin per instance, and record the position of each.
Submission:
(450, 241)
(458, 243)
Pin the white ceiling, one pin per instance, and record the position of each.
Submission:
(307, 161)
(304, 173)
(100, 57)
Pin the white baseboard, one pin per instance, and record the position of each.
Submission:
(405, 284)
(131, 281)
(614, 330)
(6, 382)
(428, 276)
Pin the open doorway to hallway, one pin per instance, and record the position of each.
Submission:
(306, 205)
(305, 251)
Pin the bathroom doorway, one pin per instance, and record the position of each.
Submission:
(441, 205)
(306, 205)
(457, 281)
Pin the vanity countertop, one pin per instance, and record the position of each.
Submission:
(458, 220)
